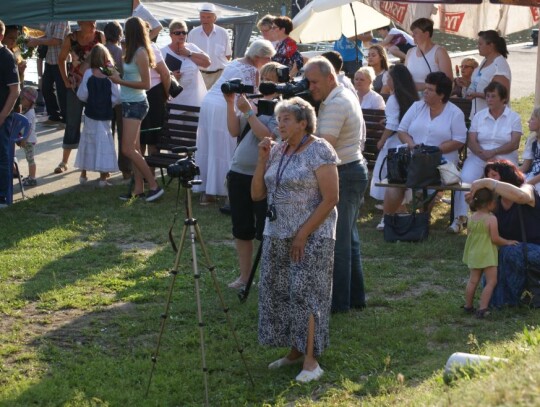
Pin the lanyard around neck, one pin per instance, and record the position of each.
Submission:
(280, 171)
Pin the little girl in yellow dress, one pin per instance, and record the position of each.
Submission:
(480, 253)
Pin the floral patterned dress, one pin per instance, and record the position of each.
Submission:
(79, 53)
(290, 292)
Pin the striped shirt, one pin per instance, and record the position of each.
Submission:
(340, 116)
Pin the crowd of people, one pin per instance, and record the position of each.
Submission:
(295, 179)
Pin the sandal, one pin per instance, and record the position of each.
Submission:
(468, 310)
(482, 313)
(62, 167)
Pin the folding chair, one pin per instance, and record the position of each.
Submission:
(19, 131)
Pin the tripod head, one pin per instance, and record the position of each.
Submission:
(185, 168)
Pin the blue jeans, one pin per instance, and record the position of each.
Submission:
(74, 109)
(6, 163)
(511, 274)
(348, 287)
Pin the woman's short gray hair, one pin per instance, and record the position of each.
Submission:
(261, 49)
(176, 23)
(368, 72)
(301, 110)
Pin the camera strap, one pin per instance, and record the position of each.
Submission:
(246, 130)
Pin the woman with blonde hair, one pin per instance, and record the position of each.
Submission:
(462, 82)
(363, 83)
(138, 59)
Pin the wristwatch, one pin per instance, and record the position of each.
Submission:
(248, 114)
(190, 53)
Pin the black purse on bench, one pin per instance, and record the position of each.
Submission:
(397, 164)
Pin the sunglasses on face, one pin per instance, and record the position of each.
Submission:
(179, 32)
(467, 66)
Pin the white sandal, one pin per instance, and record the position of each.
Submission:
(306, 376)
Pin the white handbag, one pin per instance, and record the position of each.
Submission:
(449, 173)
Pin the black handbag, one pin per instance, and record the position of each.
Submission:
(531, 293)
(175, 89)
(423, 169)
(397, 163)
(410, 227)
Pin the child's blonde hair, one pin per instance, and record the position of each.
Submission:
(534, 134)
(100, 57)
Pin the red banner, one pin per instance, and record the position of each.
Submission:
(393, 10)
(451, 22)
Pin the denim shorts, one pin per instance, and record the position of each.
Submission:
(134, 110)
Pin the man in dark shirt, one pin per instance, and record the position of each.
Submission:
(9, 92)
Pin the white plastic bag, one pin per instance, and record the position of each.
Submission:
(449, 173)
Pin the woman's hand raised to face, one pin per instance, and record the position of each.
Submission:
(264, 149)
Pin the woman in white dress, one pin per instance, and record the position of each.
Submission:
(432, 121)
(402, 95)
(363, 83)
(215, 145)
(191, 58)
(494, 67)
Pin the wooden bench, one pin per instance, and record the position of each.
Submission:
(426, 198)
(374, 119)
(175, 135)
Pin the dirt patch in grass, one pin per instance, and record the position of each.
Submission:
(417, 290)
(65, 328)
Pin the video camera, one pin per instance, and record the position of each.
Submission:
(288, 90)
(236, 86)
(184, 169)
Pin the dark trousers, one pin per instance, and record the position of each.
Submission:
(6, 165)
(55, 102)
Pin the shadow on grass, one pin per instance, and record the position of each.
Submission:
(92, 310)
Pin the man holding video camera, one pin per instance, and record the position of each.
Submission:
(341, 123)
(248, 217)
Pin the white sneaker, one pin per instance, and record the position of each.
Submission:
(457, 225)
(380, 226)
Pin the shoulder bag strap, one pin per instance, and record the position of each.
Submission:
(425, 59)
(523, 236)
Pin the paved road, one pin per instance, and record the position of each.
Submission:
(522, 61)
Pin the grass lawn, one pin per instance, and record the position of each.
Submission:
(84, 279)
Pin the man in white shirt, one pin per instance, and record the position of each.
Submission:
(213, 40)
(144, 14)
(340, 122)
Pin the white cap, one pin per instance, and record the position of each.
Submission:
(208, 8)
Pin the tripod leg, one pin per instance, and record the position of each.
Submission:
(174, 273)
(197, 276)
(212, 270)
(244, 293)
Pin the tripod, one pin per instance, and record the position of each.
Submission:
(190, 224)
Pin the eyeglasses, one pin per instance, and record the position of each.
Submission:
(274, 27)
(467, 66)
(179, 32)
